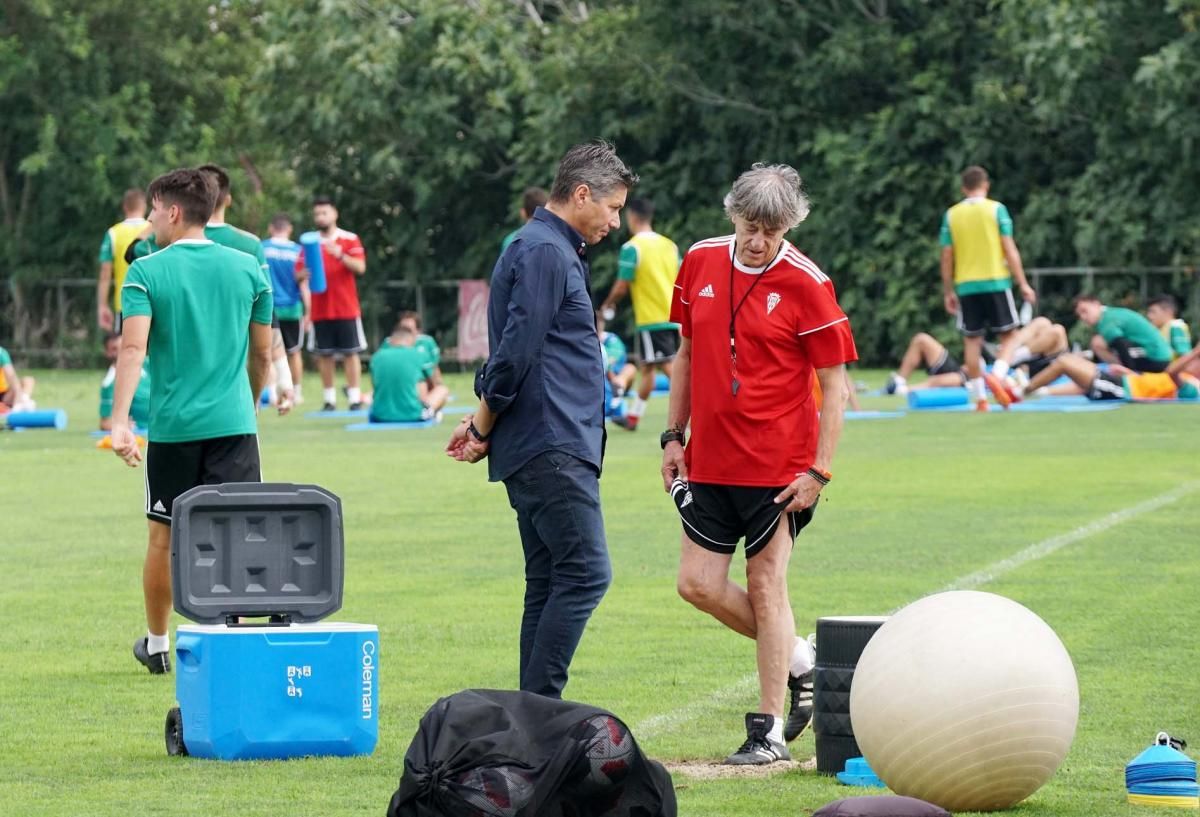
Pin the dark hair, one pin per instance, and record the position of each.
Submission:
(319, 200)
(109, 337)
(1084, 297)
(595, 164)
(533, 198)
(280, 220)
(642, 208)
(974, 177)
(1165, 301)
(219, 177)
(195, 193)
(403, 316)
(133, 197)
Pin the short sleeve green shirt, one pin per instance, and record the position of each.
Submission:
(231, 236)
(1117, 322)
(140, 410)
(5, 359)
(395, 373)
(434, 354)
(201, 298)
(106, 247)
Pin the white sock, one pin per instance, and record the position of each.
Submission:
(354, 394)
(802, 658)
(776, 733)
(296, 391)
(157, 643)
(330, 396)
(1018, 389)
(1020, 355)
(975, 388)
(1000, 368)
(638, 408)
(900, 381)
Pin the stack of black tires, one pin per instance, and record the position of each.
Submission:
(840, 643)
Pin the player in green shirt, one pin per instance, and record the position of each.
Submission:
(398, 371)
(1163, 312)
(199, 311)
(531, 199)
(16, 392)
(1123, 336)
(140, 408)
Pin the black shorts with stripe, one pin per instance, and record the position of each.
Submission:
(983, 312)
(289, 328)
(945, 364)
(341, 336)
(1134, 357)
(715, 517)
(658, 345)
(174, 468)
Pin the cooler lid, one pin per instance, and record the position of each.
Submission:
(256, 549)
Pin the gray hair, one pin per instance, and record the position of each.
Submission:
(595, 164)
(768, 195)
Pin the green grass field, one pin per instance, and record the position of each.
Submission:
(432, 557)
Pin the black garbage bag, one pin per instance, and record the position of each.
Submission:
(495, 753)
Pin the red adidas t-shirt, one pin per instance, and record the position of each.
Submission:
(339, 301)
(789, 325)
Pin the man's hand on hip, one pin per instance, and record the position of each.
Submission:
(803, 493)
(673, 466)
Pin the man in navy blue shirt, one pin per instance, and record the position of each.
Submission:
(540, 419)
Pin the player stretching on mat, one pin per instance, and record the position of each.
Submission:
(198, 310)
(760, 322)
(402, 374)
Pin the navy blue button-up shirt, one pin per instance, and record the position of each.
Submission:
(544, 377)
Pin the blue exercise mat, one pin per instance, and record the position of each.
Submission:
(872, 415)
(336, 415)
(459, 409)
(390, 426)
(1044, 406)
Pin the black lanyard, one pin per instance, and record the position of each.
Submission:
(733, 313)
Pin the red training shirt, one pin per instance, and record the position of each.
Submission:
(789, 325)
(339, 301)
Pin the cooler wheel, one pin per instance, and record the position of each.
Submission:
(174, 733)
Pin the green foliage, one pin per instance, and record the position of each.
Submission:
(426, 121)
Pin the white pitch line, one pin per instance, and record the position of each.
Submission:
(669, 721)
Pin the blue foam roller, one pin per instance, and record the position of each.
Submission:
(662, 382)
(47, 418)
(873, 415)
(390, 426)
(336, 415)
(313, 261)
(937, 398)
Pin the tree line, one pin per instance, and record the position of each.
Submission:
(425, 120)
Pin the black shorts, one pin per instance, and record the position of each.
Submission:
(1134, 357)
(946, 364)
(1107, 386)
(715, 517)
(118, 322)
(658, 345)
(982, 312)
(173, 468)
(343, 336)
(290, 329)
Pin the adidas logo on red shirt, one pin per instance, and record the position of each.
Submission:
(707, 292)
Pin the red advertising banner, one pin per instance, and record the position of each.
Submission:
(472, 321)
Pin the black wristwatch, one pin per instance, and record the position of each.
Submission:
(475, 433)
(671, 435)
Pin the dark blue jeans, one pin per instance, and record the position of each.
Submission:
(557, 500)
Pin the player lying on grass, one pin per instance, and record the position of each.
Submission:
(1114, 383)
(16, 392)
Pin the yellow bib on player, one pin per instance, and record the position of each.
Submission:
(122, 234)
(653, 281)
(978, 255)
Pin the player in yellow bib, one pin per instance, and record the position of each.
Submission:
(646, 270)
(113, 265)
(979, 261)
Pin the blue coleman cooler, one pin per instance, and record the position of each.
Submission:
(258, 566)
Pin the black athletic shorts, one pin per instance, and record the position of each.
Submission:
(1107, 386)
(982, 312)
(946, 364)
(290, 329)
(1134, 357)
(715, 517)
(658, 345)
(343, 336)
(173, 468)
(118, 322)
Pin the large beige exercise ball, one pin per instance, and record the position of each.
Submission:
(964, 699)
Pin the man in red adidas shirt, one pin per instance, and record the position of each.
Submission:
(336, 318)
(760, 322)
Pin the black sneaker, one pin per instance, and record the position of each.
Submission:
(758, 750)
(158, 663)
(801, 709)
(329, 407)
(356, 406)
